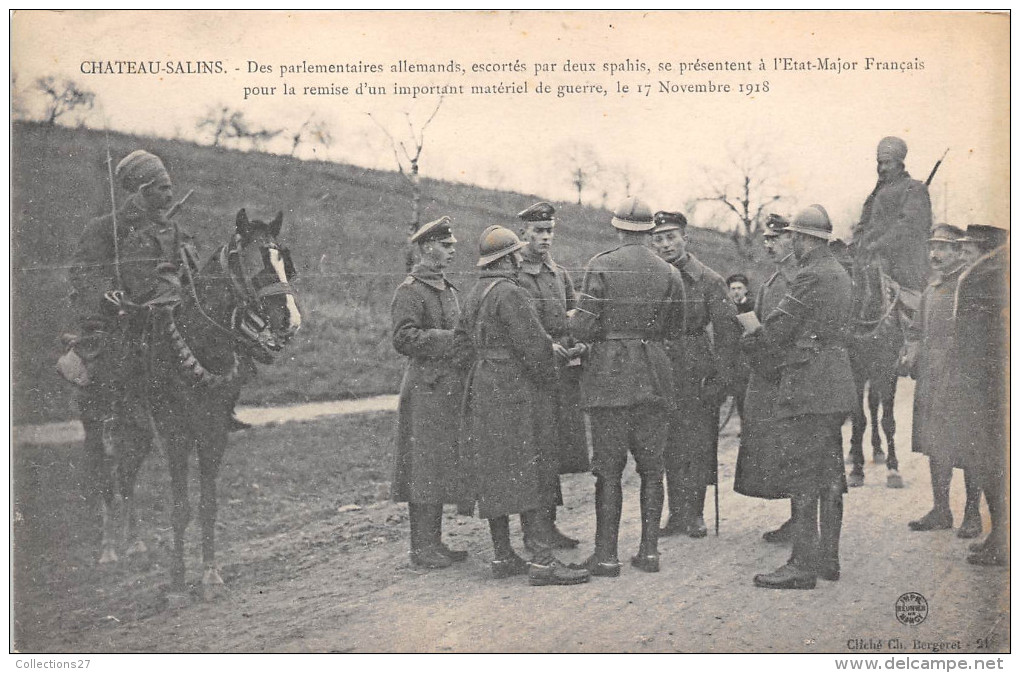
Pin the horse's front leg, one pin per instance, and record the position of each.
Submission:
(178, 442)
(874, 400)
(210, 456)
(858, 421)
(132, 458)
(99, 491)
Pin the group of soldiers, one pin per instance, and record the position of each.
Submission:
(505, 389)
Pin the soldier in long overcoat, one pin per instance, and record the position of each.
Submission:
(631, 300)
(755, 474)
(552, 293)
(425, 313)
(930, 359)
(895, 220)
(705, 356)
(815, 394)
(981, 312)
(512, 375)
(103, 342)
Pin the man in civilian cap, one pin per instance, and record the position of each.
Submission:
(513, 374)
(760, 447)
(807, 330)
(552, 295)
(895, 220)
(426, 474)
(103, 274)
(738, 287)
(630, 303)
(981, 317)
(704, 368)
(980, 240)
(939, 427)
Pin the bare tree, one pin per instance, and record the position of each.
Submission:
(746, 188)
(315, 131)
(408, 163)
(618, 181)
(582, 165)
(63, 97)
(225, 124)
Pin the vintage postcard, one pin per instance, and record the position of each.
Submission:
(211, 232)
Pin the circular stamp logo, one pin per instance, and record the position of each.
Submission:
(911, 608)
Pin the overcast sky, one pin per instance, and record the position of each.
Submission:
(819, 128)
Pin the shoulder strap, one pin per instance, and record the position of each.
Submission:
(478, 311)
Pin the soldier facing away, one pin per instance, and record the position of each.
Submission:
(630, 301)
(552, 293)
(807, 331)
(513, 373)
(704, 369)
(425, 313)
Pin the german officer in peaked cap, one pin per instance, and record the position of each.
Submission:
(552, 293)
(513, 374)
(630, 302)
(815, 394)
(704, 368)
(425, 312)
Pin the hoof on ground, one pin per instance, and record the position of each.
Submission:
(855, 480)
(879, 457)
(108, 556)
(176, 601)
(894, 480)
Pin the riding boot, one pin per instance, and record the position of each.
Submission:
(558, 539)
(696, 511)
(971, 526)
(783, 534)
(507, 563)
(678, 517)
(994, 550)
(608, 506)
(535, 531)
(830, 520)
(941, 516)
(424, 553)
(799, 571)
(434, 514)
(647, 558)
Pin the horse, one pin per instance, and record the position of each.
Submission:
(191, 360)
(876, 338)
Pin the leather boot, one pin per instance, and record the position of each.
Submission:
(424, 553)
(545, 569)
(783, 534)
(798, 573)
(647, 558)
(696, 512)
(830, 520)
(535, 527)
(971, 526)
(434, 514)
(677, 522)
(556, 536)
(940, 517)
(507, 563)
(608, 505)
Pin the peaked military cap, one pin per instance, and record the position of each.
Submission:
(946, 233)
(775, 225)
(665, 220)
(988, 236)
(436, 230)
(540, 212)
(812, 221)
(633, 214)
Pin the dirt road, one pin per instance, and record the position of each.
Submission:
(313, 563)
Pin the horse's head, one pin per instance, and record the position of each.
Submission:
(261, 269)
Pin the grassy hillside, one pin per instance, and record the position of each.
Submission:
(345, 226)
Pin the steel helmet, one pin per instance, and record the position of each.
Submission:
(496, 243)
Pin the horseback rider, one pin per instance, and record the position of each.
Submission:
(104, 285)
(895, 220)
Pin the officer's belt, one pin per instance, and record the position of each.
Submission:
(492, 354)
(625, 335)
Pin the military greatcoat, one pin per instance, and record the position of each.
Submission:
(425, 313)
(895, 223)
(552, 293)
(816, 387)
(703, 368)
(759, 441)
(938, 415)
(513, 373)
